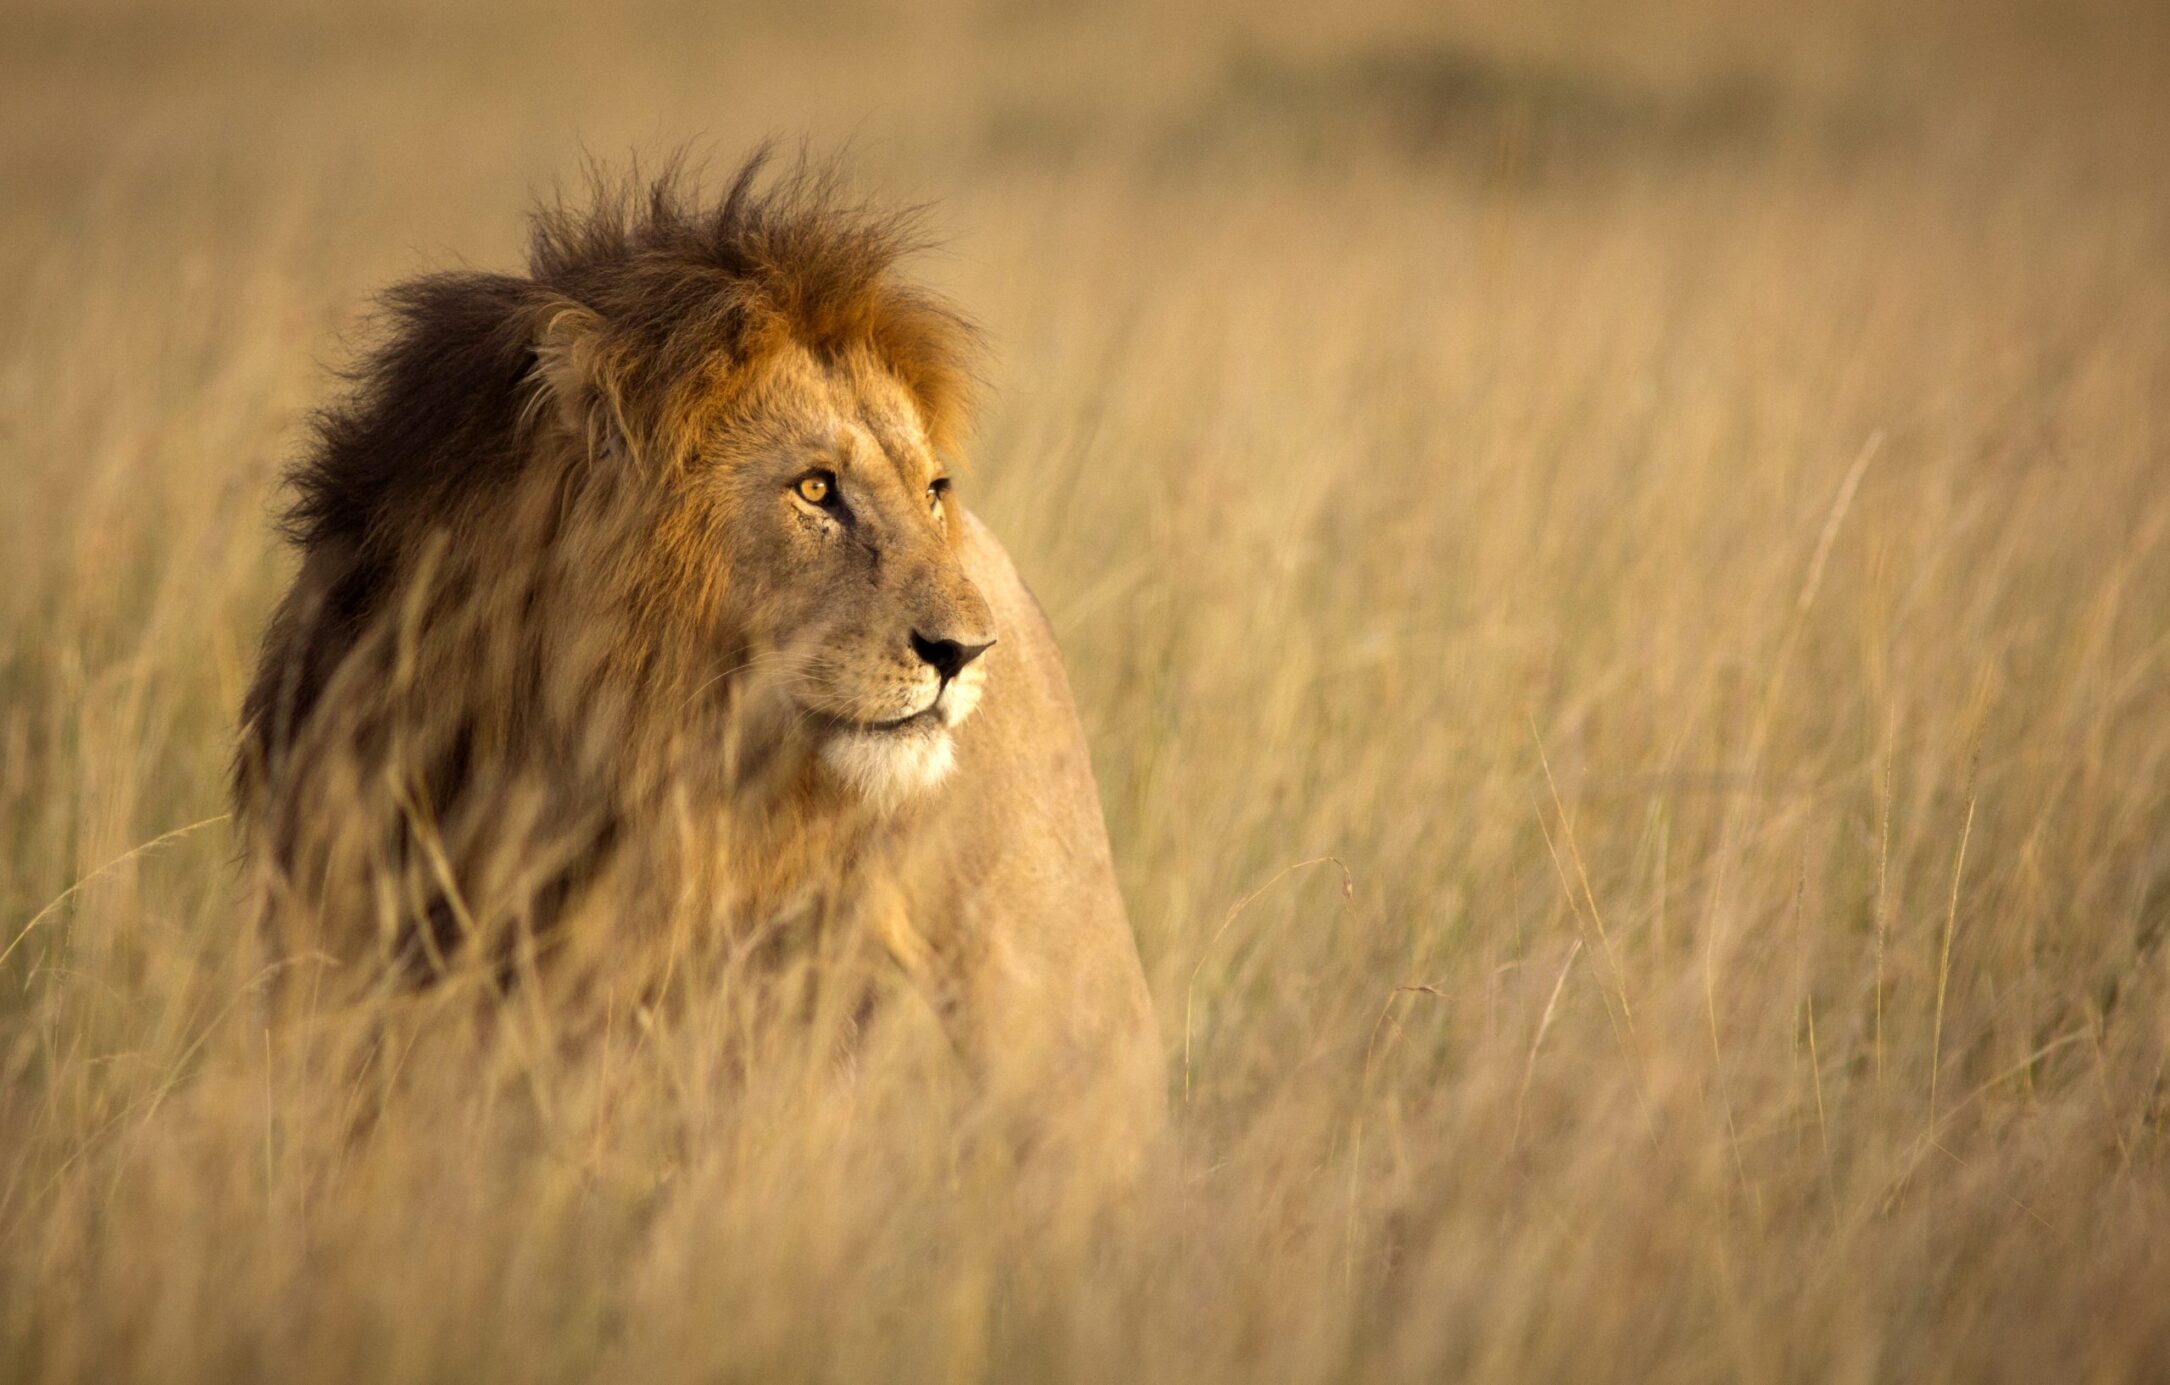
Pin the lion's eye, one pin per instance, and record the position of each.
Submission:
(935, 492)
(816, 489)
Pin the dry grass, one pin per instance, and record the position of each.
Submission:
(1676, 501)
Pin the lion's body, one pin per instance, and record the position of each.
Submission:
(635, 613)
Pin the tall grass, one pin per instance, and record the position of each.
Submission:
(1619, 580)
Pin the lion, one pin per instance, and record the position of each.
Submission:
(639, 602)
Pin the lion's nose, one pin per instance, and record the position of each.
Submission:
(949, 657)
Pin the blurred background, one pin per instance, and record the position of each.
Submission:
(1673, 498)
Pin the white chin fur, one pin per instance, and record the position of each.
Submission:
(888, 767)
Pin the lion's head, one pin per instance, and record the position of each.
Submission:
(668, 514)
(816, 517)
(792, 402)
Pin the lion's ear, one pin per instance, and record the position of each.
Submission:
(576, 379)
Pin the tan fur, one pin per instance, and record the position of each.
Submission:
(573, 669)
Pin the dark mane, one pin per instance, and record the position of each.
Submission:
(672, 284)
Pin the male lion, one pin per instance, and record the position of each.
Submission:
(637, 608)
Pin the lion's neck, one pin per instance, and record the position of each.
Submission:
(815, 846)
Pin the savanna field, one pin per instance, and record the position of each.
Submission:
(1616, 565)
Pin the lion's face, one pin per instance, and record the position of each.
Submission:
(831, 518)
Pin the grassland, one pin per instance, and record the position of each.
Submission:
(1616, 560)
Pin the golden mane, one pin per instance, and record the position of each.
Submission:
(441, 488)
(657, 298)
